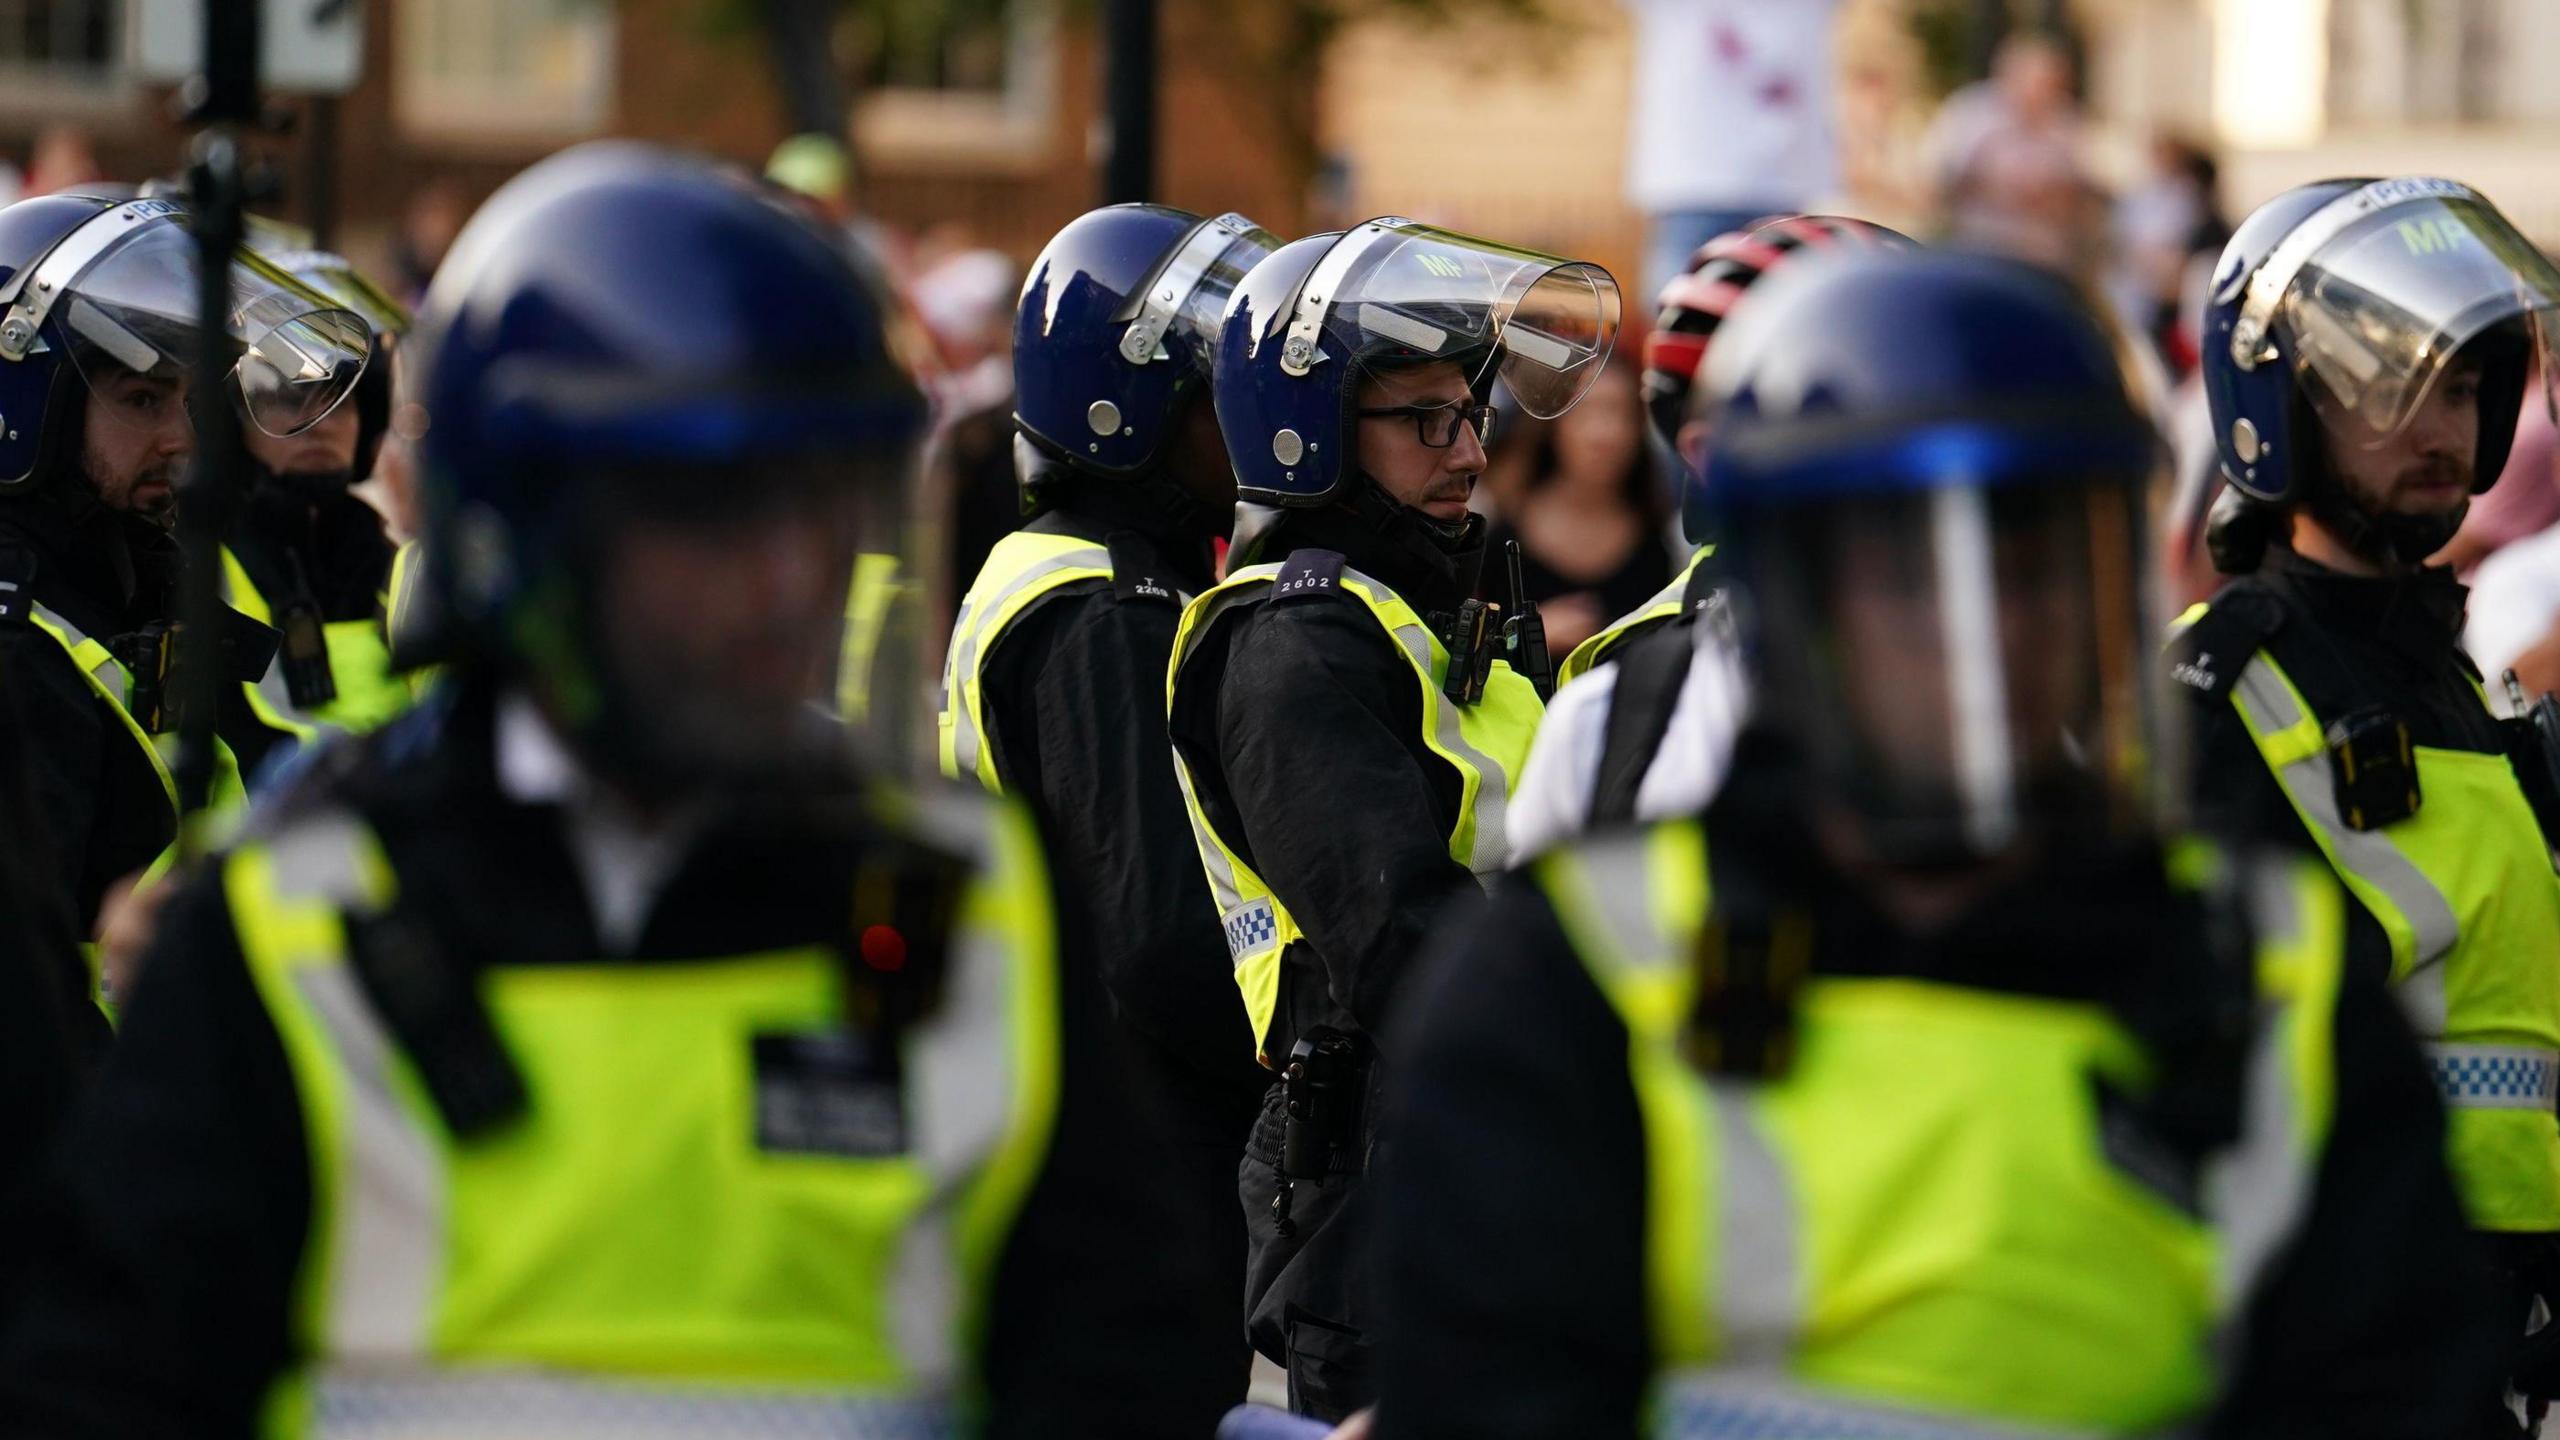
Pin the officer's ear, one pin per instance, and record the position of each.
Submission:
(1691, 442)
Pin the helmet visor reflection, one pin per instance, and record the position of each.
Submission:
(2376, 315)
(1418, 293)
(130, 324)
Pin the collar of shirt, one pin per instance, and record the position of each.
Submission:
(624, 859)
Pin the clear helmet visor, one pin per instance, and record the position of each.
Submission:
(2378, 314)
(130, 321)
(1185, 299)
(1420, 293)
(1964, 668)
(750, 620)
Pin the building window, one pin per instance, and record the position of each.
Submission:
(68, 38)
(503, 70)
(965, 81)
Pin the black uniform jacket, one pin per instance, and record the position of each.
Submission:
(103, 809)
(1323, 774)
(179, 1200)
(1073, 697)
(1514, 1209)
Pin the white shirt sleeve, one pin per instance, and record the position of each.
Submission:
(1697, 746)
(2515, 598)
(1552, 802)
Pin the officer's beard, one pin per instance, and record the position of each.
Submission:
(149, 494)
(2386, 538)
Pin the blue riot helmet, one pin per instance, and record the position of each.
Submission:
(661, 418)
(1118, 320)
(1322, 312)
(101, 317)
(2336, 310)
(1928, 471)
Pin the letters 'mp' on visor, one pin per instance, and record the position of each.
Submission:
(1423, 293)
(121, 292)
(2378, 290)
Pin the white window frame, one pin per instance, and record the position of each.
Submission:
(476, 110)
(51, 90)
(1009, 130)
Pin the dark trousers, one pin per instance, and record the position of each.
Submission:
(1309, 1306)
(1196, 1125)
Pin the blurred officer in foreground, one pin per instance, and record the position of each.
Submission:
(99, 328)
(309, 557)
(595, 1051)
(2369, 347)
(1050, 693)
(1647, 733)
(1347, 717)
(1921, 1087)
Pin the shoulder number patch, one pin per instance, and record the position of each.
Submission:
(1308, 572)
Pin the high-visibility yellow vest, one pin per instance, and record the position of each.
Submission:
(112, 682)
(1486, 743)
(867, 607)
(1668, 603)
(1025, 569)
(1916, 1231)
(627, 1257)
(369, 694)
(2465, 890)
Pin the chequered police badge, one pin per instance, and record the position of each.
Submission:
(1251, 927)
(2495, 1077)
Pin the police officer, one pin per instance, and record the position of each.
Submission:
(97, 331)
(2369, 346)
(309, 557)
(1346, 716)
(594, 1051)
(1648, 737)
(1920, 1087)
(1050, 685)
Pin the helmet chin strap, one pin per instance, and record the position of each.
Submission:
(2385, 538)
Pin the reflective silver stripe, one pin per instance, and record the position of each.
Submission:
(963, 1060)
(1493, 783)
(2258, 1189)
(1758, 1256)
(2496, 1077)
(355, 1404)
(1224, 888)
(1722, 1406)
(2368, 855)
(974, 617)
(385, 1249)
(110, 673)
(386, 1244)
(1614, 873)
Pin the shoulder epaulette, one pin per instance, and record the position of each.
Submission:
(2209, 655)
(1308, 572)
(1135, 573)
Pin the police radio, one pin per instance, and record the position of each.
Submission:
(1524, 635)
(2533, 751)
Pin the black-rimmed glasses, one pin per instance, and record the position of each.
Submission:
(1438, 424)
